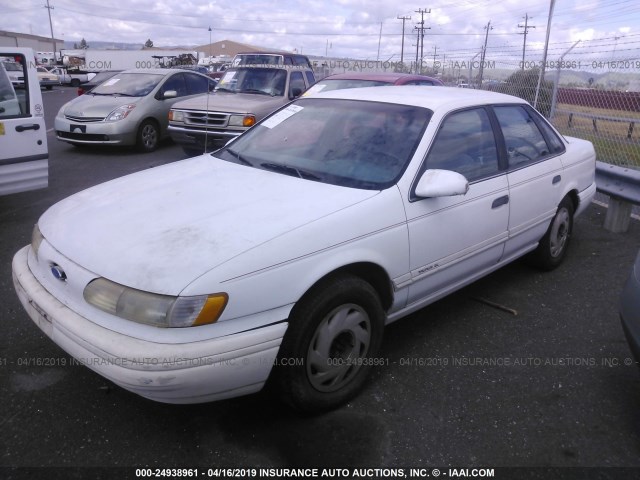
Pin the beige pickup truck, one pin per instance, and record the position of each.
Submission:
(244, 95)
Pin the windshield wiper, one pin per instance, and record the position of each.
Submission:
(222, 89)
(240, 158)
(254, 90)
(120, 94)
(288, 170)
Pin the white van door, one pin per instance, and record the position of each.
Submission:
(24, 157)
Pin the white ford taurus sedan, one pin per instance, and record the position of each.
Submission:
(282, 256)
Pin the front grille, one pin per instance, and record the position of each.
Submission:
(206, 119)
(89, 137)
(83, 119)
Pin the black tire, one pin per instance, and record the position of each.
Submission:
(75, 83)
(148, 136)
(334, 333)
(554, 244)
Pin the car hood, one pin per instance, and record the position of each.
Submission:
(160, 229)
(232, 102)
(96, 105)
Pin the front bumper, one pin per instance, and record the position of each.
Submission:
(201, 139)
(207, 370)
(96, 133)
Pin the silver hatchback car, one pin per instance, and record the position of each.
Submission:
(130, 108)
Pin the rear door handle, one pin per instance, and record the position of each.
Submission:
(22, 128)
(498, 202)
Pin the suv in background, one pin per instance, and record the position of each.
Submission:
(244, 96)
(267, 58)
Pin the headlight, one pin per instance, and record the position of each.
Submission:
(120, 113)
(154, 309)
(36, 239)
(176, 116)
(242, 120)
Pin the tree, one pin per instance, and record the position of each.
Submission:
(83, 44)
(148, 43)
(523, 84)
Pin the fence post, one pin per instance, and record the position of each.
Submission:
(618, 216)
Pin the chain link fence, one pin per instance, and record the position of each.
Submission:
(584, 96)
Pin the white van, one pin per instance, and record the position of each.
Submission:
(24, 157)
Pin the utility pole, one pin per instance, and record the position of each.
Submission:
(403, 18)
(552, 4)
(435, 54)
(379, 41)
(484, 52)
(421, 30)
(526, 27)
(53, 40)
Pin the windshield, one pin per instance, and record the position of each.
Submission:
(267, 81)
(129, 84)
(351, 143)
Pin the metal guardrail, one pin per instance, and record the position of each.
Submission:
(622, 185)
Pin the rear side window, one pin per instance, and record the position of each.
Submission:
(523, 139)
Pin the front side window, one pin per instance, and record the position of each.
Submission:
(350, 143)
(129, 84)
(296, 82)
(266, 81)
(523, 140)
(465, 144)
(177, 83)
(14, 95)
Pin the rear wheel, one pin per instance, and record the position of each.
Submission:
(554, 244)
(148, 136)
(334, 333)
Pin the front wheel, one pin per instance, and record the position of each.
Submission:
(148, 136)
(334, 334)
(555, 242)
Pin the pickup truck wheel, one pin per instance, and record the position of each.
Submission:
(148, 136)
(75, 83)
(553, 246)
(334, 334)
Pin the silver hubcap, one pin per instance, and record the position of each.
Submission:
(559, 232)
(338, 347)
(149, 136)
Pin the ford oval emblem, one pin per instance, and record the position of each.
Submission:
(58, 272)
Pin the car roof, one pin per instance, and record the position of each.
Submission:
(390, 77)
(448, 98)
(155, 71)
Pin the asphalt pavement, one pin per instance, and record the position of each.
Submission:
(521, 369)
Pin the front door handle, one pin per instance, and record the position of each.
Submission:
(498, 202)
(556, 179)
(22, 128)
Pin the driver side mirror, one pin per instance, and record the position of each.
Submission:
(169, 94)
(441, 183)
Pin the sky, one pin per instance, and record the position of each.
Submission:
(455, 30)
